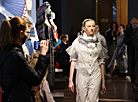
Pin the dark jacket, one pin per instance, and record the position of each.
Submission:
(128, 40)
(109, 37)
(64, 57)
(18, 76)
(135, 45)
(135, 39)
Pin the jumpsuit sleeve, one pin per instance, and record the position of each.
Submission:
(71, 50)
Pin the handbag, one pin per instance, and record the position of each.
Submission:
(1, 71)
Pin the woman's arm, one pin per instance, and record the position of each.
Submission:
(121, 49)
(71, 84)
(22, 69)
(103, 79)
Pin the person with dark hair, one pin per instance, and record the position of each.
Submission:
(119, 58)
(16, 75)
(63, 55)
(111, 38)
(87, 57)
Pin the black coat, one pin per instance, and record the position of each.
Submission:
(135, 39)
(18, 76)
(135, 44)
(64, 57)
(128, 40)
(109, 37)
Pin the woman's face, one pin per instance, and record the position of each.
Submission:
(27, 31)
(89, 28)
(114, 26)
(120, 29)
(67, 38)
(96, 28)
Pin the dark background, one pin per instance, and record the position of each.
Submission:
(71, 13)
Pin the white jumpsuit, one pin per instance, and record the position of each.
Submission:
(89, 54)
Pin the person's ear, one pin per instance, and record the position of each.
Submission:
(83, 28)
(21, 34)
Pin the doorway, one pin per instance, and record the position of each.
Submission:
(104, 13)
(108, 11)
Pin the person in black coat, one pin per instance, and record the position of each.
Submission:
(135, 45)
(111, 34)
(17, 76)
(64, 57)
(128, 39)
(111, 38)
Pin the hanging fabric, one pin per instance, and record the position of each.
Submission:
(45, 31)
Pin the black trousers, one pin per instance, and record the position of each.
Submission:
(131, 68)
(66, 69)
(136, 63)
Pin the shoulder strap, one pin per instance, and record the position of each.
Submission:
(1, 66)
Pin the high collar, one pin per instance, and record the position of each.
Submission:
(87, 39)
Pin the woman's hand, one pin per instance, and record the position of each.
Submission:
(71, 86)
(35, 88)
(103, 89)
(117, 32)
(112, 33)
(44, 45)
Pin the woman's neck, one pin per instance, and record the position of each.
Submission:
(121, 33)
(114, 29)
(64, 42)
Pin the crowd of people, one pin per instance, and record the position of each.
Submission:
(18, 79)
(122, 45)
(122, 49)
(23, 69)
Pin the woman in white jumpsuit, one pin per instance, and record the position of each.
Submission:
(87, 56)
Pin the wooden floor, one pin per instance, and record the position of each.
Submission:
(118, 90)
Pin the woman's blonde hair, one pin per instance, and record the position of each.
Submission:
(33, 61)
(28, 22)
(9, 30)
(84, 22)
